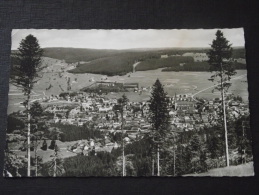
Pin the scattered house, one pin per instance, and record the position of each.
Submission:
(115, 145)
(198, 57)
(241, 60)
(164, 56)
(184, 105)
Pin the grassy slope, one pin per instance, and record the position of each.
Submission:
(232, 171)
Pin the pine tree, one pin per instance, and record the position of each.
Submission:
(197, 152)
(26, 74)
(159, 117)
(222, 67)
(56, 165)
(36, 112)
(122, 102)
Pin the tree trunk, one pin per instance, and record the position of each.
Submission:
(153, 166)
(243, 145)
(174, 163)
(123, 160)
(36, 159)
(158, 166)
(55, 167)
(29, 141)
(225, 126)
(123, 153)
(224, 116)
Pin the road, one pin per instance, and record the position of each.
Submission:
(134, 66)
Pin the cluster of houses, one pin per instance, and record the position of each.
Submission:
(200, 57)
(102, 111)
(197, 57)
(106, 115)
(185, 113)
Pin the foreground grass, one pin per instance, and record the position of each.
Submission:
(232, 171)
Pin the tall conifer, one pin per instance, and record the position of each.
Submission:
(25, 74)
(159, 117)
(223, 69)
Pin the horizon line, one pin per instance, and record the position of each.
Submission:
(136, 48)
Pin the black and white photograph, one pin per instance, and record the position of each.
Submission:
(128, 103)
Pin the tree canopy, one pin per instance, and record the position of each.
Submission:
(28, 64)
(220, 60)
(159, 112)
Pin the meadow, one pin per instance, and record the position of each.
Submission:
(174, 83)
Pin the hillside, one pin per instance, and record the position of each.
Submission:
(198, 66)
(232, 171)
(119, 62)
(172, 61)
(113, 65)
(72, 55)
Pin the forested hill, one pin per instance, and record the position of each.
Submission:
(71, 55)
(111, 62)
(119, 62)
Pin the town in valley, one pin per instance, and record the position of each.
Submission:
(90, 115)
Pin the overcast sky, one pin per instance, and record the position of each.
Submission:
(125, 39)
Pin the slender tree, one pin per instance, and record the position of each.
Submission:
(159, 117)
(25, 74)
(222, 69)
(56, 164)
(122, 102)
(36, 112)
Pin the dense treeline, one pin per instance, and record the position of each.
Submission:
(14, 123)
(73, 133)
(119, 62)
(72, 55)
(239, 53)
(113, 65)
(96, 164)
(192, 152)
(199, 66)
(198, 151)
(100, 165)
(141, 158)
(152, 64)
(110, 66)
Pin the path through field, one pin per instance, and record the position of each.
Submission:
(237, 77)
(134, 66)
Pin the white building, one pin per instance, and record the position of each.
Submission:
(164, 56)
(197, 57)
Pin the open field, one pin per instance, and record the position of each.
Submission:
(244, 170)
(55, 78)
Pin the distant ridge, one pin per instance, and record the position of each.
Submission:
(120, 62)
(139, 49)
